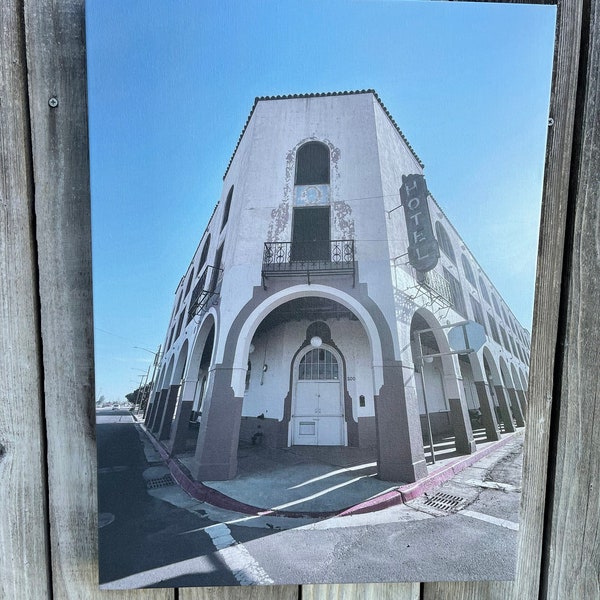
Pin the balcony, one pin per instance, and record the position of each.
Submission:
(205, 292)
(308, 259)
(436, 286)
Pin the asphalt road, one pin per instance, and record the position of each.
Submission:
(147, 537)
(162, 537)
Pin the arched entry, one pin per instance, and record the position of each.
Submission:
(185, 430)
(440, 395)
(396, 431)
(317, 405)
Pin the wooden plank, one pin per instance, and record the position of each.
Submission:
(469, 590)
(273, 592)
(545, 324)
(55, 43)
(24, 555)
(545, 337)
(572, 550)
(371, 591)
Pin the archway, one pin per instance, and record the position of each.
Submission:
(293, 396)
(189, 410)
(174, 391)
(395, 424)
(440, 396)
(155, 418)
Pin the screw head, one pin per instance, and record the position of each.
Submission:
(53, 102)
(550, 122)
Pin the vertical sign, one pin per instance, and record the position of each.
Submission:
(423, 249)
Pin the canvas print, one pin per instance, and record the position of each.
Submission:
(312, 350)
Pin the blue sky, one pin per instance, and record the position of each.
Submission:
(171, 85)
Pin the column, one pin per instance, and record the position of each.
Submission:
(516, 407)
(155, 421)
(182, 419)
(504, 409)
(488, 414)
(399, 440)
(164, 431)
(218, 438)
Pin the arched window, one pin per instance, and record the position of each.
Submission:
(312, 164)
(318, 364)
(204, 253)
(189, 283)
(444, 241)
(468, 270)
(496, 306)
(226, 209)
(484, 291)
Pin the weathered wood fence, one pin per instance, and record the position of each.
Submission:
(47, 451)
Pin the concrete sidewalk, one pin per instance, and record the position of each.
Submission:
(305, 481)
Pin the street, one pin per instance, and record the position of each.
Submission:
(159, 536)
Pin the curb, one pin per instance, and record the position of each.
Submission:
(410, 491)
(400, 495)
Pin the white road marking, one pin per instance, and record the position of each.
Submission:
(242, 564)
(488, 519)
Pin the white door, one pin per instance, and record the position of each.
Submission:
(318, 417)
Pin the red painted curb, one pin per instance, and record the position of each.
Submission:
(400, 495)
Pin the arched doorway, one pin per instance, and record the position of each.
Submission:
(317, 405)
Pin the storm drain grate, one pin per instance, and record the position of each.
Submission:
(443, 501)
(159, 482)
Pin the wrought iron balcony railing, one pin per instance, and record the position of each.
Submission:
(436, 284)
(329, 257)
(207, 288)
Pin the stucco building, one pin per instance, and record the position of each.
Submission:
(322, 300)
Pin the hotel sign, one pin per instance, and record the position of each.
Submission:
(423, 249)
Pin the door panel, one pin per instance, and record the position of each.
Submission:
(318, 415)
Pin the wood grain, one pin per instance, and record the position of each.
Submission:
(274, 592)
(372, 591)
(573, 551)
(470, 590)
(24, 553)
(545, 337)
(56, 64)
(58, 171)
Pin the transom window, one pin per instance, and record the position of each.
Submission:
(318, 364)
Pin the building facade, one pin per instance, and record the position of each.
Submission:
(326, 300)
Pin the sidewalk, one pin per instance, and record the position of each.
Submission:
(321, 482)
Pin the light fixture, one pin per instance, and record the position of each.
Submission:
(428, 359)
(251, 349)
(316, 341)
